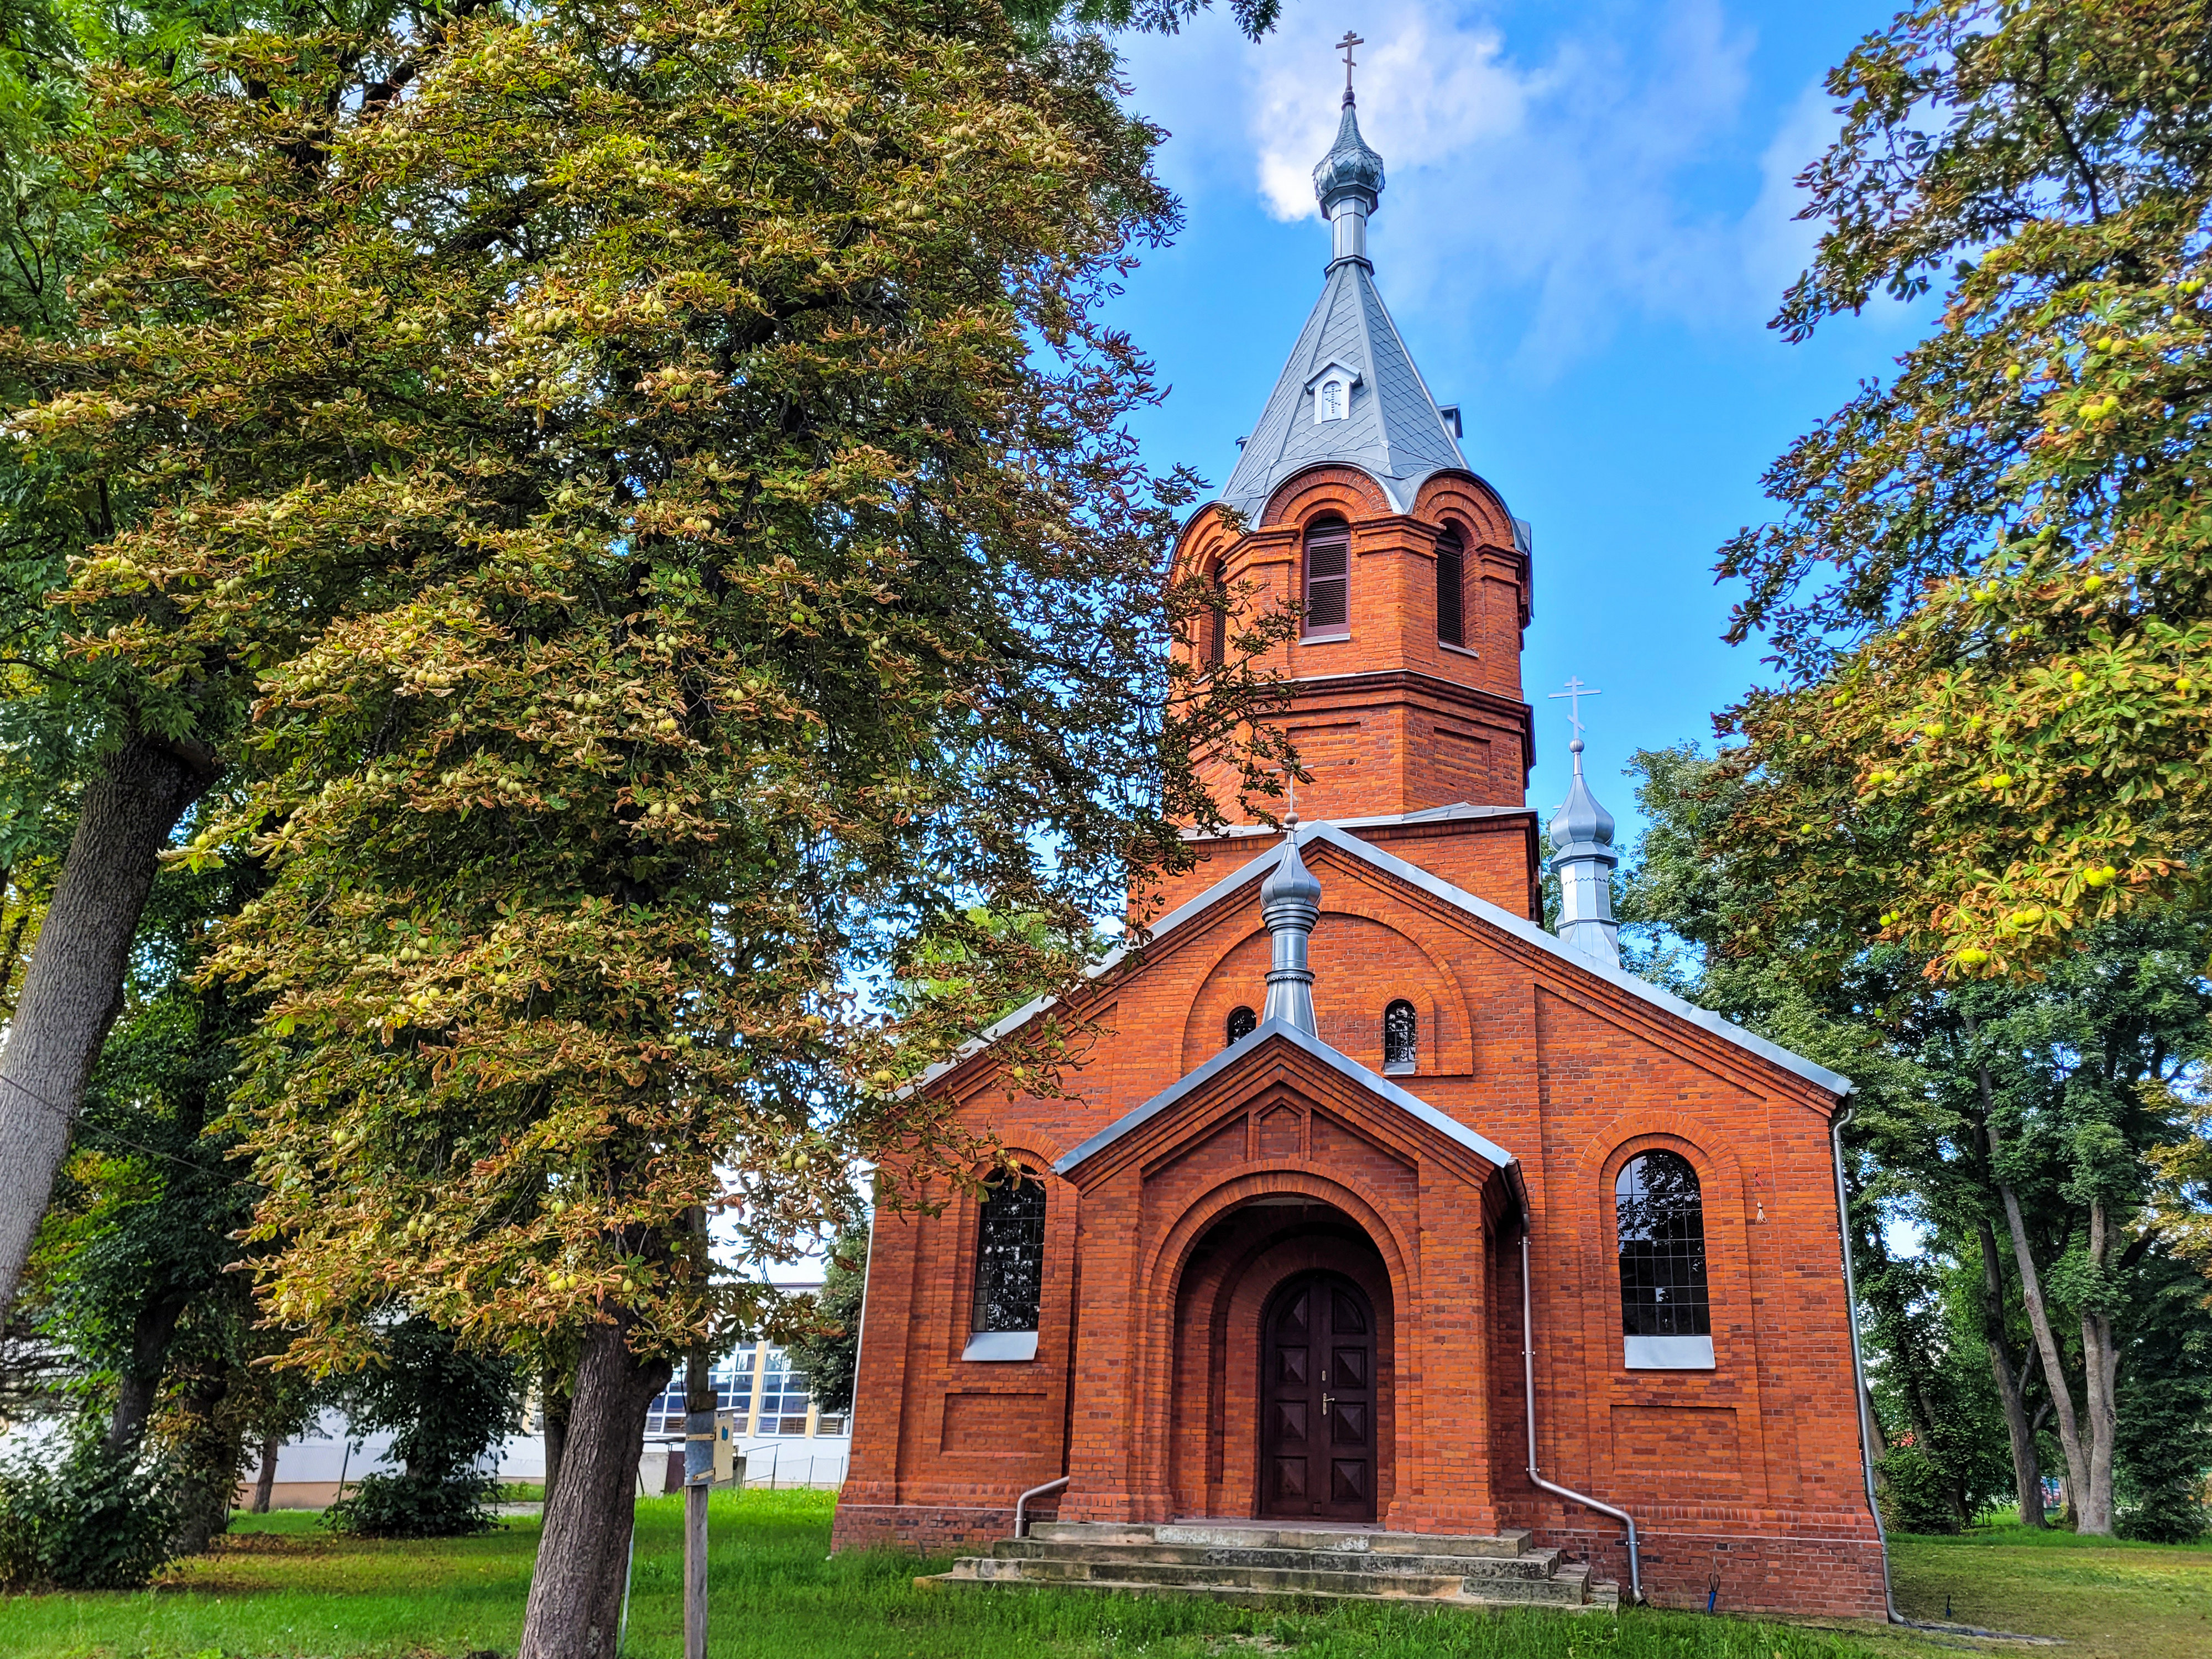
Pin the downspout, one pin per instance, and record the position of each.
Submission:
(1528, 1378)
(1022, 1504)
(1858, 1358)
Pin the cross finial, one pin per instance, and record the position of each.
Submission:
(1291, 818)
(1574, 693)
(1346, 45)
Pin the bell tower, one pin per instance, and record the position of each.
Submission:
(1353, 503)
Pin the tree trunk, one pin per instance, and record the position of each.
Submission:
(211, 1450)
(2039, 1315)
(265, 1484)
(141, 1382)
(74, 986)
(2100, 1365)
(583, 1556)
(556, 1389)
(2027, 1468)
(2054, 1363)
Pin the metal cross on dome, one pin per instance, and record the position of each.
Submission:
(1574, 693)
(1346, 45)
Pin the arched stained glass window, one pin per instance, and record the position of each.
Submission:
(1010, 1257)
(1401, 1037)
(1666, 1320)
(1241, 1024)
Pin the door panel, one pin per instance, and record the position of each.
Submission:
(1317, 1421)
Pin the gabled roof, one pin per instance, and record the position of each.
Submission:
(1497, 915)
(1392, 433)
(1413, 1105)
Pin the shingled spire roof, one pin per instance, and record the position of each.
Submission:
(1392, 430)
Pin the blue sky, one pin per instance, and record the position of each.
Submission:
(1588, 222)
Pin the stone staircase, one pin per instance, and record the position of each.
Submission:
(1260, 1565)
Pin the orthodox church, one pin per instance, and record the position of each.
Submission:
(1382, 1219)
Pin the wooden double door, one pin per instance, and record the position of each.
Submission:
(1317, 1401)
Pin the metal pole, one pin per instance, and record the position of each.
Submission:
(698, 1468)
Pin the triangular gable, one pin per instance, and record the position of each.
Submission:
(1495, 916)
(1238, 1052)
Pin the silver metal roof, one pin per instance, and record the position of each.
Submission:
(1596, 967)
(1406, 1102)
(1393, 433)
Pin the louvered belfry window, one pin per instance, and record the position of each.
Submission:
(1010, 1257)
(1217, 618)
(1661, 1220)
(1328, 578)
(1451, 588)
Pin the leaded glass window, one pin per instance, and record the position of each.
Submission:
(1662, 1222)
(1402, 1032)
(1242, 1023)
(1010, 1257)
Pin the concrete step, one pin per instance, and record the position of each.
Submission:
(1534, 1565)
(1258, 1564)
(1129, 1568)
(1250, 1535)
(1246, 1595)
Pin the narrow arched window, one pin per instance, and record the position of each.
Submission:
(1666, 1320)
(1217, 616)
(1331, 400)
(1328, 578)
(1242, 1023)
(1401, 1037)
(1451, 588)
(1010, 1255)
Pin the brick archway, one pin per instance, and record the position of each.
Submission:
(1228, 1275)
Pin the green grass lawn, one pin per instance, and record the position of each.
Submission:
(2106, 1600)
(282, 1586)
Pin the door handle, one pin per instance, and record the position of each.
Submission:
(1326, 1401)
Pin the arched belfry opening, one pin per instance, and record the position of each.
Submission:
(1284, 1403)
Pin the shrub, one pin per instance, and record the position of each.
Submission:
(1915, 1494)
(94, 1520)
(413, 1506)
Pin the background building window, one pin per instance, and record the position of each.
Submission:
(1010, 1257)
(1401, 1033)
(1243, 1022)
(784, 1396)
(1665, 1317)
(1329, 563)
(1451, 588)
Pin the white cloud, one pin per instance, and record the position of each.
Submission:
(1601, 170)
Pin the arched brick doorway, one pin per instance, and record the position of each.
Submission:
(1239, 1285)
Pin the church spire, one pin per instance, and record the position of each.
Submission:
(1581, 834)
(1348, 180)
(1290, 903)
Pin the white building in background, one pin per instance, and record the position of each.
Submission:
(785, 1437)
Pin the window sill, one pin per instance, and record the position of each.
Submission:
(1668, 1353)
(1459, 650)
(1324, 639)
(1401, 1068)
(1000, 1347)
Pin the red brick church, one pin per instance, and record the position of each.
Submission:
(1366, 1148)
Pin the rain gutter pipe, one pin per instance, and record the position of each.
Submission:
(1858, 1358)
(1022, 1504)
(1528, 1378)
